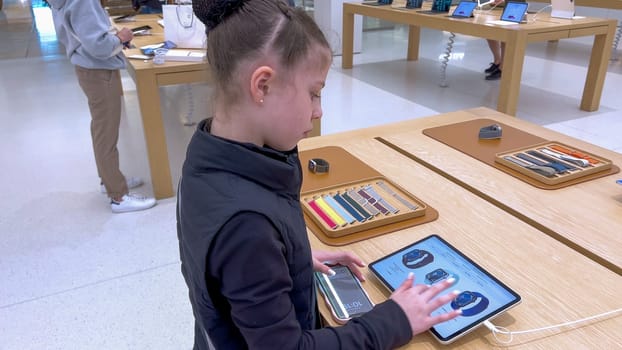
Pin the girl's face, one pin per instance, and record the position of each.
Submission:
(296, 101)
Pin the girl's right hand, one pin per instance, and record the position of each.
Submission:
(418, 301)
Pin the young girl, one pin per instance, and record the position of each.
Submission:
(244, 249)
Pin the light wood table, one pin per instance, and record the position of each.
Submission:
(516, 38)
(557, 284)
(585, 216)
(608, 4)
(148, 78)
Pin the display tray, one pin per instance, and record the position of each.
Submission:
(348, 208)
(463, 137)
(348, 172)
(553, 162)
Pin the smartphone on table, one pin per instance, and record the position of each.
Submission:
(343, 294)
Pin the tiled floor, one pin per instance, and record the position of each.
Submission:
(75, 276)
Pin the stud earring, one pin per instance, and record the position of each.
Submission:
(261, 101)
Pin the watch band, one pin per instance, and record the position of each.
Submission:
(540, 169)
(570, 159)
(551, 160)
(388, 190)
(339, 209)
(356, 206)
(467, 298)
(371, 200)
(574, 153)
(339, 199)
(327, 220)
(363, 202)
(536, 161)
(417, 258)
(369, 189)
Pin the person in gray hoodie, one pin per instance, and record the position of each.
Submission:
(94, 48)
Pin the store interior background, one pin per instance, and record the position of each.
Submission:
(74, 275)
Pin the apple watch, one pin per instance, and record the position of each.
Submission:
(417, 258)
(476, 301)
(318, 165)
(439, 275)
(490, 132)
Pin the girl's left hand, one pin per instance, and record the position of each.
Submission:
(342, 258)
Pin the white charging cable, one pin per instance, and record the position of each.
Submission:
(492, 7)
(535, 15)
(497, 330)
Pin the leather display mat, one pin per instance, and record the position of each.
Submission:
(463, 137)
(346, 168)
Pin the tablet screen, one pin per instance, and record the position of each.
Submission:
(432, 260)
(464, 9)
(514, 11)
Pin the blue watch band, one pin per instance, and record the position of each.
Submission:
(417, 258)
(467, 298)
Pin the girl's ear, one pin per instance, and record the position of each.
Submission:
(261, 80)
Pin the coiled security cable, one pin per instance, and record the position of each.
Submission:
(445, 59)
(535, 16)
(188, 120)
(616, 42)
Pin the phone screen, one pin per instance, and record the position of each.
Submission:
(344, 293)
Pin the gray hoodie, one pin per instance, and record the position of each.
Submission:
(85, 30)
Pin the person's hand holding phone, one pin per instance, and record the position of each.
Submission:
(125, 35)
(419, 300)
(321, 258)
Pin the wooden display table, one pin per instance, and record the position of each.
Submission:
(586, 216)
(557, 283)
(516, 38)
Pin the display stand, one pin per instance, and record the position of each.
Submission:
(464, 138)
(349, 173)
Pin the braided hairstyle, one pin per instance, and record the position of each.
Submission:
(242, 30)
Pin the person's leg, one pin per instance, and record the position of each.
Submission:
(496, 56)
(495, 49)
(494, 71)
(501, 54)
(103, 91)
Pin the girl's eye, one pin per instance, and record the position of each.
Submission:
(316, 95)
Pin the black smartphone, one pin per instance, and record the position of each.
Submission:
(344, 294)
(141, 29)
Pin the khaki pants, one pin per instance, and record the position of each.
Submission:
(102, 88)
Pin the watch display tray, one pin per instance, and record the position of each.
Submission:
(463, 137)
(345, 173)
(360, 205)
(544, 153)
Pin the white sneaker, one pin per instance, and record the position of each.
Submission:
(132, 182)
(132, 202)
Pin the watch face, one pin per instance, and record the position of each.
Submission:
(465, 298)
(414, 256)
(436, 276)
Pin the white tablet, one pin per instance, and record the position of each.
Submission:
(432, 260)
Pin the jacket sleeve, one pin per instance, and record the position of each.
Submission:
(92, 28)
(248, 259)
